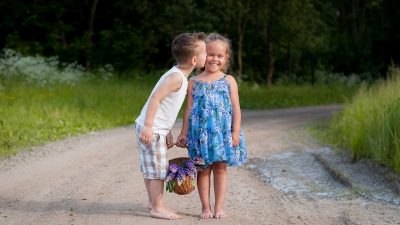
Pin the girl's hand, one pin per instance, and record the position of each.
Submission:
(146, 135)
(170, 140)
(235, 139)
(181, 142)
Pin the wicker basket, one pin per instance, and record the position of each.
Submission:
(188, 184)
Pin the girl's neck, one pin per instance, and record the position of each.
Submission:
(211, 74)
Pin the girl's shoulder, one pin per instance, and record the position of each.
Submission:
(230, 78)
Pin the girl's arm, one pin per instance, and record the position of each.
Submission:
(181, 142)
(237, 116)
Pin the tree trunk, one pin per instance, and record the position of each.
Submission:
(240, 50)
(90, 32)
(271, 62)
(242, 20)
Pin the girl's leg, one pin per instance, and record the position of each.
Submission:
(203, 184)
(220, 186)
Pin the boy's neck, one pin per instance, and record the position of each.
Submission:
(185, 69)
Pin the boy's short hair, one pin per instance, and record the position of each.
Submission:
(185, 44)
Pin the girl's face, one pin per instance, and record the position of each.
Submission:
(216, 56)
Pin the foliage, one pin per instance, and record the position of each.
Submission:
(278, 37)
(37, 69)
(370, 125)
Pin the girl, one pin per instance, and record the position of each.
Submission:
(211, 126)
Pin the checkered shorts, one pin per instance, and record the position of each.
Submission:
(153, 158)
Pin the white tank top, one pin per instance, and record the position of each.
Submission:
(168, 108)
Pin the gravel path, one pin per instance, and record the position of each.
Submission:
(94, 179)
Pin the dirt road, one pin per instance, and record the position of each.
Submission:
(94, 179)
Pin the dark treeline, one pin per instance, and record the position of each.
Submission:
(270, 38)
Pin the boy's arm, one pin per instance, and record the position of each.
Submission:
(171, 83)
(237, 116)
(181, 141)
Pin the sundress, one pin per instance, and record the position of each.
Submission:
(210, 125)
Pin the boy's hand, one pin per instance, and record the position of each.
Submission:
(181, 142)
(146, 135)
(235, 139)
(170, 140)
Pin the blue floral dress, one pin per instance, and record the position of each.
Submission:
(210, 125)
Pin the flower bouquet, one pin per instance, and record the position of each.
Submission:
(182, 173)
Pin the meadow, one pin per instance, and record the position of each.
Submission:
(42, 99)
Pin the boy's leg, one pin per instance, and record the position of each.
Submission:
(147, 185)
(158, 209)
(153, 164)
(203, 184)
(143, 155)
(220, 185)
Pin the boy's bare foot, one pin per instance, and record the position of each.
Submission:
(169, 209)
(164, 214)
(219, 214)
(206, 213)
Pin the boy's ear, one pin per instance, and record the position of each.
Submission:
(194, 61)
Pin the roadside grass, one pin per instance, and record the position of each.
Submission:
(253, 96)
(32, 114)
(370, 124)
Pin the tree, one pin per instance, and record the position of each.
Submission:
(89, 52)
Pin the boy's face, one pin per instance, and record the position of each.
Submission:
(201, 54)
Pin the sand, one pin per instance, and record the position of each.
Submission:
(94, 179)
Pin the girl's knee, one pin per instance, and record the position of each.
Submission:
(205, 172)
(219, 168)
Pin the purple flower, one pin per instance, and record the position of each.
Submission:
(171, 176)
(180, 175)
(188, 164)
(173, 167)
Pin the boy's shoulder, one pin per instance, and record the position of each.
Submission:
(173, 73)
(171, 80)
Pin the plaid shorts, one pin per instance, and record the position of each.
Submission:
(153, 158)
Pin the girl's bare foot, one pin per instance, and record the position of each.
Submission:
(164, 214)
(219, 214)
(206, 213)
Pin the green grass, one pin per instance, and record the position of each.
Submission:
(32, 114)
(370, 124)
(260, 97)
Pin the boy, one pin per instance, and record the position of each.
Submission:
(153, 126)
